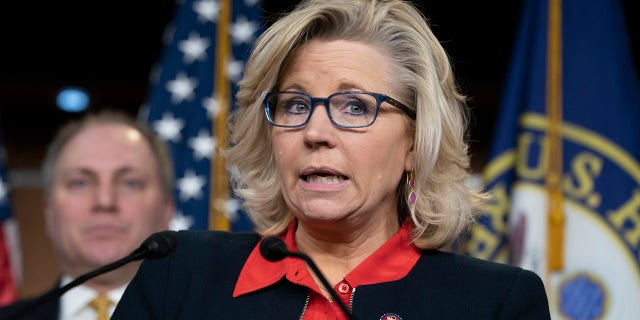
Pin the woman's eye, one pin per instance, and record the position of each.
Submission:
(296, 106)
(356, 107)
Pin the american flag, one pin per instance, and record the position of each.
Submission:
(8, 259)
(192, 92)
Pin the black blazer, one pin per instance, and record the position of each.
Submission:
(198, 279)
(47, 311)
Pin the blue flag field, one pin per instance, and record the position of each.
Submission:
(564, 164)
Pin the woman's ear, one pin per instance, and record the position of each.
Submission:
(409, 163)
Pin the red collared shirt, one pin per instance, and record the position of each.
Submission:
(392, 261)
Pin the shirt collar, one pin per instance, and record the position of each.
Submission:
(392, 261)
(76, 300)
(258, 272)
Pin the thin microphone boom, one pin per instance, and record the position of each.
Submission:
(157, 245)
(274, 249)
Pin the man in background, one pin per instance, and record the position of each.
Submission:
(108, 186)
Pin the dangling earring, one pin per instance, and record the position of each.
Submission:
(412, 193)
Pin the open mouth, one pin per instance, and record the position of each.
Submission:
(324, 178)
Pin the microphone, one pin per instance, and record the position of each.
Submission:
(155, 246)
(274, 249)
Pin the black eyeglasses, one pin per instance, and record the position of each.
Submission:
(347, 109)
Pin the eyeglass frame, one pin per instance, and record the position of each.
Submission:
(314, 101)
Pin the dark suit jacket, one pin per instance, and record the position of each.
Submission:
(197, 281)
(47, 311)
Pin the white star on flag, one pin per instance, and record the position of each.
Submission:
(180, 222)
(243, 30)
(168, 127)
(234, 69)
(212, 106)
(194, 48)
(229, 206)
(190, 186)
(182, 88)
(231, 209)
(207, 10)
(203, 145)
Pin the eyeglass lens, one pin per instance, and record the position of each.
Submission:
(345, 109)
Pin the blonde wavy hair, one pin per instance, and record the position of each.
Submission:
(445, 206)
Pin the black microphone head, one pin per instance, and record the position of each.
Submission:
(273, 248)
(160, 244)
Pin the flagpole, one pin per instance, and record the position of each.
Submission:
(553, 179)
(219, 181)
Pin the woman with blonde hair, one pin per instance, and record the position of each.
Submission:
(349, 147)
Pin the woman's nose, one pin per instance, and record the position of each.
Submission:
(319, 130)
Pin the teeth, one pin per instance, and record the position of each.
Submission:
(324, 179)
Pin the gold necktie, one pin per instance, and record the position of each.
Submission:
(101, 305)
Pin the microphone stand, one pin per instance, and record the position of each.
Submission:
(157, 245)
(324, 281)
(57, 292)
(273, 249)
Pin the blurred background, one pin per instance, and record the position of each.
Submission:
(109, 48)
